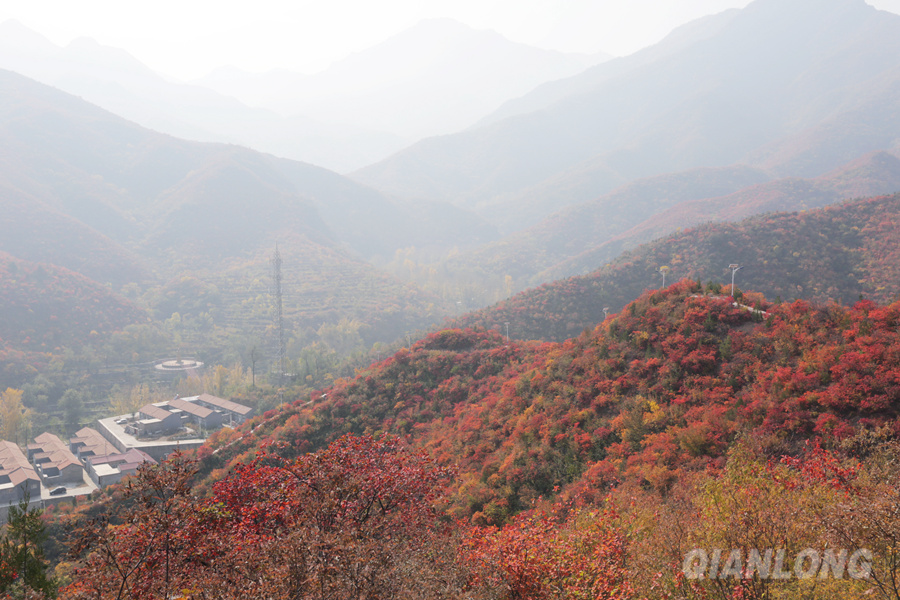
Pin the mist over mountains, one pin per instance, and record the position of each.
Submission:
(421, 82)
(87, 191)
(578, 239)
(126, 181)
(755, 86)
(741, 112)
(779, 106)
(438, 77)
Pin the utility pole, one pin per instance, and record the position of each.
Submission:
(734, 269)
(279, 313)
(507, 332)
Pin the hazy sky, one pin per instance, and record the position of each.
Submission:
(188, 38)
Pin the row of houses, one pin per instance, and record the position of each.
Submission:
(54, 462)
(204, 412)
(87, 453)
(103, 462)
(58, 469)
(105, 457)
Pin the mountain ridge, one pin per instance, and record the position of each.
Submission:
(711, 103)
(211, 212)
(115, 80)
(433, 78)
(835, 253)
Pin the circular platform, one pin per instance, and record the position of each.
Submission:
(178, 364)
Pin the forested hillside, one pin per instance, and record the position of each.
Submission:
(657, 414)
(578, 239)
(841, 253)
(133, 246)
(871, 175)
(536, 415)
(126, 206)
(46, 307)
(700, 401)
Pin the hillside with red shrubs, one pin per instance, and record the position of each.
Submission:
(839, 253)
(46, 307)
(484, 468)
(657, 391)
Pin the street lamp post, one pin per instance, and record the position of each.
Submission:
(664, 269)
(734, 269)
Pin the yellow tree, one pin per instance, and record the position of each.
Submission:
(13, 416)
(125, 401)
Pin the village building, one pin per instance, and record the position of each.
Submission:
(201, 416)
(108, 469)
(157, 419)
(232, 412)
(18, 478)
(54, 462)
(165, 427)
(88, 442)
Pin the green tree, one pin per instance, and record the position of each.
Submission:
(72, 403)
(22, 551)
(342, 337)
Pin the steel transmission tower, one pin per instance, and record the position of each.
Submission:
(279, 312)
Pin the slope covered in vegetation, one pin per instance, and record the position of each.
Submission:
(185, 231)
(45, 307)
(654, 392)
(589, 468)
(841, 252)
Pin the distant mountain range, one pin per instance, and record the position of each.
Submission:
(132, 184)
(709, 125)
(437, 77)
(115, 80)
(794, 87)
(86, 190)
(422, 82)
(874, 174)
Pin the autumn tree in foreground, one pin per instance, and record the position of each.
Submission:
(860, 482)
(356, 520)
(749, 525)
(543, 555)
(145, 550)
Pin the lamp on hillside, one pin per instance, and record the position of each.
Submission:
(734, 269)
(664, 270)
